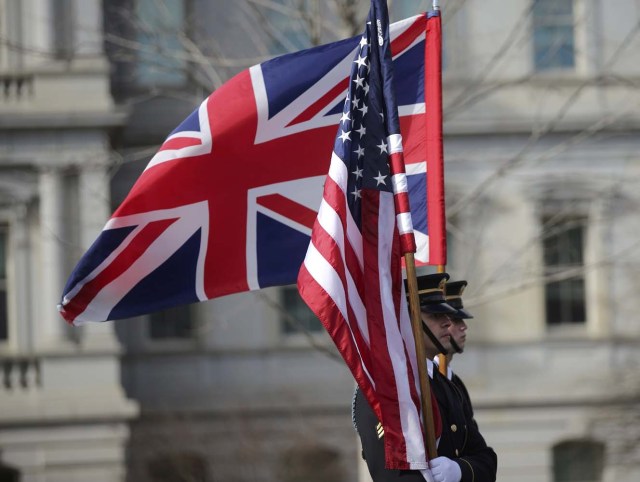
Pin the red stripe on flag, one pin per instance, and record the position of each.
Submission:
(396, 163)
(408, 239)
(330, 251)
(286, 207)
(334, 197)
(179, 143)
(123, 261)
(328, 247)
(435, 171)
(321, 103)
(405, 39)
(319, 301)
(402, 203)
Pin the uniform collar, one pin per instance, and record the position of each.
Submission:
(430, 368)
(436, 361)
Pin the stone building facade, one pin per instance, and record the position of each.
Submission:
(63, 415)
(542, 175)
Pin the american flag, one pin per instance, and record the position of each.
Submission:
(351, 277)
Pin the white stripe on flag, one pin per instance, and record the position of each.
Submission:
(409, 415)
(404, 223)
(395, 143)
(399, 183)
(331, 223)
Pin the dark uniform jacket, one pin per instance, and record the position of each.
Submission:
(457, 381)
(461, 440)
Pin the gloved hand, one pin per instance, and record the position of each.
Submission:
(445, 470)
(426, 473)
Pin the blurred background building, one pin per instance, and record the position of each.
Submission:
(542, 126)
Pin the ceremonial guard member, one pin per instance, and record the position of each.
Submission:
(463, 455)
(458, 331)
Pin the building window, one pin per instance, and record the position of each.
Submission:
(553, 34)
(175, 323)
(63, 17)
(179, 467)
(563, 248)
(8, 473)
(4, 314)
(296, 315)
(578, 461)
(161, 56)
(285, 33)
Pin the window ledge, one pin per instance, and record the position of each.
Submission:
(170, 346)
(567, 331)
(302, 340)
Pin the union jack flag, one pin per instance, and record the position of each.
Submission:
(228, 202)
(351, 276)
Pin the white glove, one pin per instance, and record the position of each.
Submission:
(426, 473)
(445, 470)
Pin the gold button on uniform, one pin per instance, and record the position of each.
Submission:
(454, 428)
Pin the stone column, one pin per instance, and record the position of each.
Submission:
(94, 211)
(21, 250)
(597, 271)
(50, 274)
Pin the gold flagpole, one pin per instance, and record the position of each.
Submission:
(442, 358)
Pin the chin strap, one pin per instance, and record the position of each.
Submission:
(433, 338)
(455, 346)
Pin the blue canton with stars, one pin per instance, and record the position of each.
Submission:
(361, 141)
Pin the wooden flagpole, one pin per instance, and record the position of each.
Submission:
(423, 375)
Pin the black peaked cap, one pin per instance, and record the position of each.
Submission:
(431, 292)
(453, 295)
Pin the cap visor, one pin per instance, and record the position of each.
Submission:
(464, 314)
(438, 308)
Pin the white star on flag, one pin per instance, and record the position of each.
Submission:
(361, 61)
(380, 178)
(346, 136)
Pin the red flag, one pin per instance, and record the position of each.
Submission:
(435, 158)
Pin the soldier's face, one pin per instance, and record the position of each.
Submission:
(439, 324)
(458, 331)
